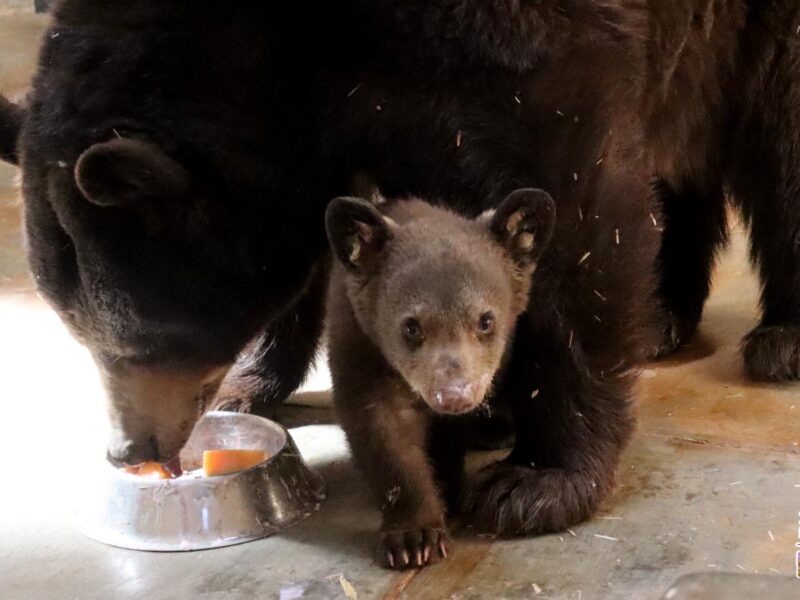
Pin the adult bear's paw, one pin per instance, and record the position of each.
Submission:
(511, 500)
(667, 334)
(772, 353)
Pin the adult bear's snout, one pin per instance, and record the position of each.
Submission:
(126, 453)
(153, 408)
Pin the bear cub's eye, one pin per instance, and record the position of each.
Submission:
(486, 323)
(412, 331)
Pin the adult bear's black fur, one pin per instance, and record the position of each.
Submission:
(268, 111)
(11, 119)
(170, 214)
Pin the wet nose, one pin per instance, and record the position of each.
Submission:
(129, 453)
(455, 397)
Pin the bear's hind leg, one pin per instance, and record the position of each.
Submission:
(571, 428)
(765, 181)
(695, 227)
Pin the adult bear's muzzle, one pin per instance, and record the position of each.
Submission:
(153, 408)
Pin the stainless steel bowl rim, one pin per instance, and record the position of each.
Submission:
(194, 513)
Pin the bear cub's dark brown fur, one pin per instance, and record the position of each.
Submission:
(423, 304)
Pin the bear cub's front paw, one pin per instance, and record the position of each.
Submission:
(413, 548)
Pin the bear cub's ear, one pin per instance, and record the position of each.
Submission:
(126, 172)
(523, 224)
(357, 232)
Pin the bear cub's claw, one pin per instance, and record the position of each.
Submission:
(413, 548)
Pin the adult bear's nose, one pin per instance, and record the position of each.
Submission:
(127, 453)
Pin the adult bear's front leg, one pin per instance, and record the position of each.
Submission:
(764, 178)
(572, 423)
(695, 221)
(276, 363)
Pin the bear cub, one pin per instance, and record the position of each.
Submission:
(422, 308)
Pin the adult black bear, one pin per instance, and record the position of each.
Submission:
(251, 132)
(169, 212)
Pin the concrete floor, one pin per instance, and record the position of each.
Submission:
(710, 484)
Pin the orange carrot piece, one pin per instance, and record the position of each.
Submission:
(149, 470)
(224, 461)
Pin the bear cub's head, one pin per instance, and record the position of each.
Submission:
(438, 294)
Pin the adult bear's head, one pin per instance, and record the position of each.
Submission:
(163, 268)
(163, 272)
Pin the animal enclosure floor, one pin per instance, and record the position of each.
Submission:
(709, 485)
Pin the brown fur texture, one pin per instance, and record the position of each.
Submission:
(10, 123)
(423, 306)
(577, 134)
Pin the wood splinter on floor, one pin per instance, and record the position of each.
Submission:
(348, 588)
(694, 440)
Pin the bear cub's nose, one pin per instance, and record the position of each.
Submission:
(455, 397)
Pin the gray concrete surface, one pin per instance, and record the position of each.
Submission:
(710, 484)
(705, 586)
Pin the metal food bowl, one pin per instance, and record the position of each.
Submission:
(196, 513)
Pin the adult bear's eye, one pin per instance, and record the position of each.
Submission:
(412, 331)
(486, 323)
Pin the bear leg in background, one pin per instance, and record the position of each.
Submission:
(572, 425)
(695, 227)
(277, 362)
(447, 445)
(765, 181)
(11, 117)
(489, 429)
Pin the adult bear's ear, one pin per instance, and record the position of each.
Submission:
(357, 232)
(523, 224)
(125, 172)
